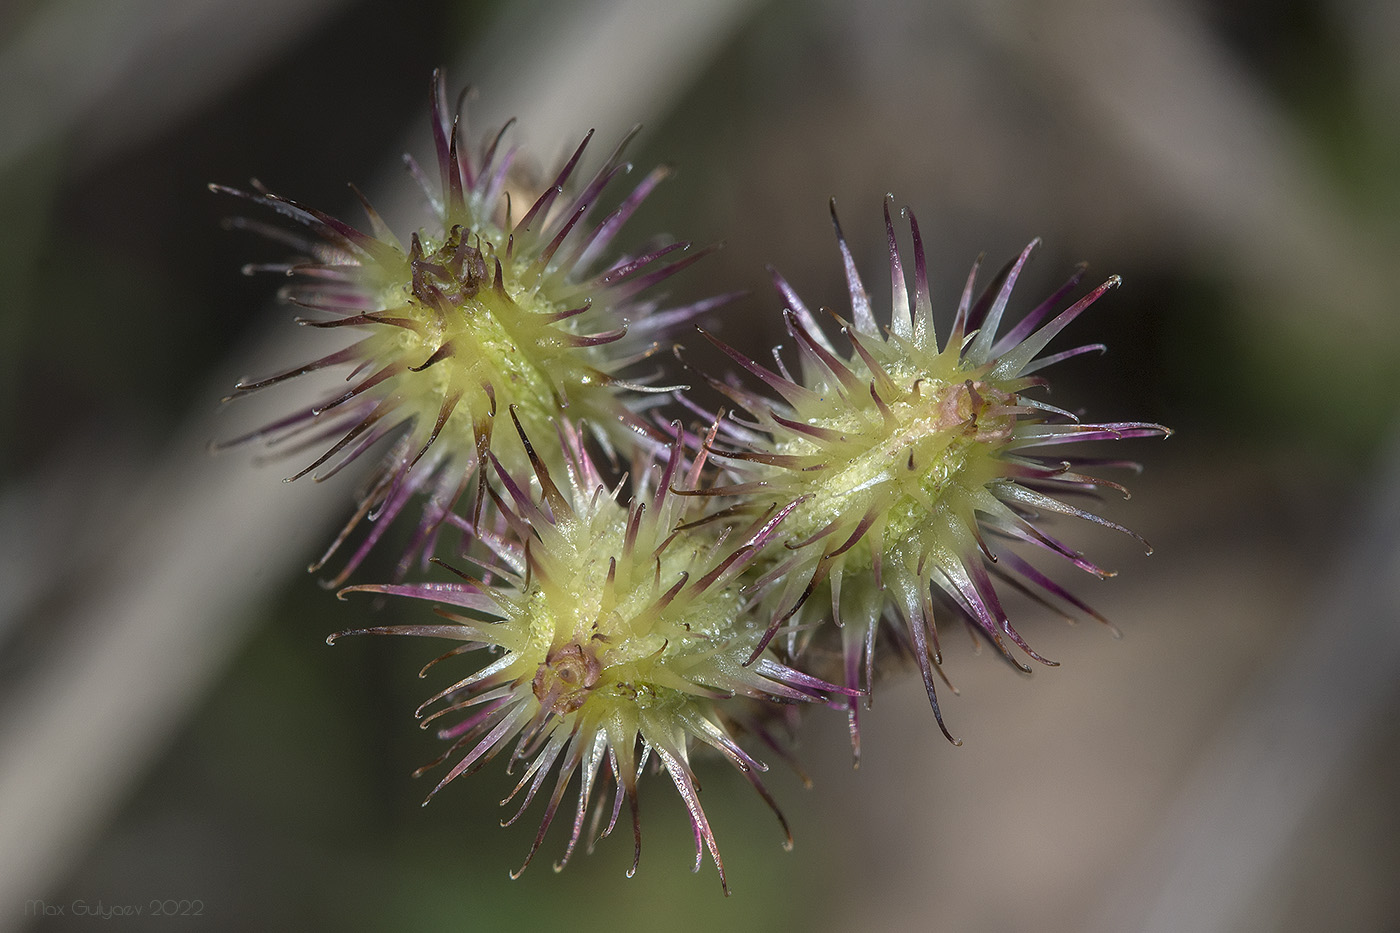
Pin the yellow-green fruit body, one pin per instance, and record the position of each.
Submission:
(480, 313)
(617, 634)
(900, 457)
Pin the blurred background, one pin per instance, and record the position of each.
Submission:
(173, 727)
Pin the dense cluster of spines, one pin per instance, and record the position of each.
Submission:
(626, 619)
(482, 311)
(615, 638)
(900, 458)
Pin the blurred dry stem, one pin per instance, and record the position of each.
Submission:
(1222, 159)
(119, 71)
(1216, 856)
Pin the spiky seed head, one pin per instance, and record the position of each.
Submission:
(615, 634)
(485, 308)
(900, 458)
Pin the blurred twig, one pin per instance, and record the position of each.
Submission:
(1297, 729)
(121, 70)
(1214, 151)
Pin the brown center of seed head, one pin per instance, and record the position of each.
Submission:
(567, 676)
